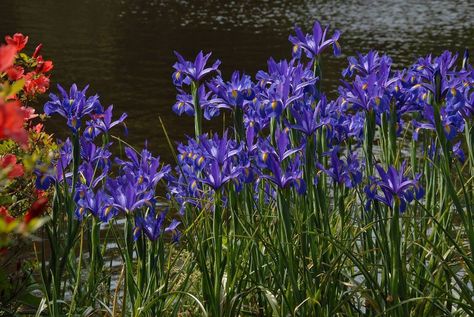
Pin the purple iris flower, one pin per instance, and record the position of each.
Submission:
(394, 185)
(184, 189)
(347, 173)
(73, 106)
(184, 103)
(145, 169)
(187, 72)
(152, 225)
(57, 171)
(314, 44)
(284, 83)
(99, 204)
(306, 120)
(452, 123)
(234, 93)
(95, 155)
(437, 75)
(280, 153)
(219, 150)
(91, 176)
(459, 153)
(366, 64)
(293, 176)
(102, 123)
(218, 175)
(127, 196)
(255, 117)
(368, 93)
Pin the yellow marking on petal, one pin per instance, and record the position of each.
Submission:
(364, 86)
(420, 67)
(424, 96)
(447, 127)
(180, 105)
(178, 74)
(264, 156)
(140, 180)
(373, 187)
(81, 210)
(234, 93)
(108, 210)
(416, 86)
(194, 185)
(377, 101)
(453, 92)
(295, 48)
(397, 88)
(286, 130)
(200, 160)
(251, 124)
(274, 104)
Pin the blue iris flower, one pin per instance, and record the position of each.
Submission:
(73, 106)
(316, 43)
(394, 185)
(187, 72)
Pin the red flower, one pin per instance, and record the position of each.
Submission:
(29, 113)
(35, 84)
(6, 215)
(18, 39)
(9, 162)
(37, 50)
(15, 72)
(12, 119)
(37, 128)
(7, 56)
(41, 193)
(36, 209)
(43, 66)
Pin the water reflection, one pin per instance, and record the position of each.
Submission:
(124, 49)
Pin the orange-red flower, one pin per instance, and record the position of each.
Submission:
(7, 56)
(12, 119)
(37, 128)
(35, 84)
(43, 66)
(9, 162)
(15, 72)
(5, 214)
(36, 209)
(37, 51)
(18, 40)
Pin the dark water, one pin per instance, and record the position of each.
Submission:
(124, 49)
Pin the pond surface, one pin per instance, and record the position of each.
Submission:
(124, 49)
